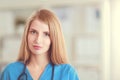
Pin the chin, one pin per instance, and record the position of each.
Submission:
(36, 52)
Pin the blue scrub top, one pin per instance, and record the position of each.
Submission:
(61, 72)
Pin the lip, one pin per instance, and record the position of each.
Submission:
(37, 47)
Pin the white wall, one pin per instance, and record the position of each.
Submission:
(111, 39)
(106, 39)
(21, 4)
(115, 37)
(6, 23)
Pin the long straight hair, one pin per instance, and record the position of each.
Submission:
(57, 48)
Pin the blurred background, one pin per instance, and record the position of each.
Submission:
(91, 29)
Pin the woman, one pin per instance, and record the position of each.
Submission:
(42, 53)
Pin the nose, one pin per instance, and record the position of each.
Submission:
(39, 39)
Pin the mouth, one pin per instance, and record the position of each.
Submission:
(37, 47)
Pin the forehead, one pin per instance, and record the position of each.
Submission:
(39, 25)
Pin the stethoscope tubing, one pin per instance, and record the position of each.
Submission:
(23, 72)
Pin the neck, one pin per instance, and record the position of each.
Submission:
(39, 60)
(37, 64)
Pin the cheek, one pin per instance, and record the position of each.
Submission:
(48, 42)
(30, 39)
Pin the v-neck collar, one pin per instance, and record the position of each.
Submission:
(42, 76)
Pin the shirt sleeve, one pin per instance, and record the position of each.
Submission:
(73, 74)
(5, 75)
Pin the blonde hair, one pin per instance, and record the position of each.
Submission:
(57, 49)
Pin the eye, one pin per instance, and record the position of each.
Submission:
(46, 34)
(33, 32)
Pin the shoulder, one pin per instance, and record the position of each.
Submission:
(11, 71)
(67, 67)
(67, 71)
(12, 68)
(14, 65)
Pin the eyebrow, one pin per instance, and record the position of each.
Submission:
(37, 30)
(32, 29)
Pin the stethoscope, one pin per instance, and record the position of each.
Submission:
(23, 75)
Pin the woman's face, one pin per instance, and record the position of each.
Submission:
(39, 37)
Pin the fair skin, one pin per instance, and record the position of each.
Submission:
(39, 43)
